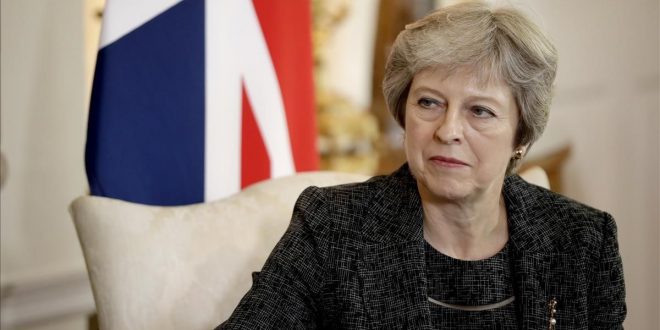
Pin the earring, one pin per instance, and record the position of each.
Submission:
(518, 154)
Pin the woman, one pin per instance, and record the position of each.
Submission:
(453, 239)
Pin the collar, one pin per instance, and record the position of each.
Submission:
(396, 213)
(532, 222)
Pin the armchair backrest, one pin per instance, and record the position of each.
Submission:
(184, 267)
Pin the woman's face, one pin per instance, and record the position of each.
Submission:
(459, 134)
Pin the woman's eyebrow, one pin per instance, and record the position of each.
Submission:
(421, 89)
(495, 100)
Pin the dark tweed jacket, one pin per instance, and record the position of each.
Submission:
(353, 258)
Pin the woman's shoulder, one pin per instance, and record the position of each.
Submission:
(559, 213)
(343, 197)
(354, 190)
(348, 206)
(534, 196)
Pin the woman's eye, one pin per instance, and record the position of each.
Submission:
(426, 102)
(481, 112)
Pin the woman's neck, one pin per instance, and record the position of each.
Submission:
(472, 230)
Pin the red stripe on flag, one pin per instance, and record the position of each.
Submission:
(255, 163)
(286, 25)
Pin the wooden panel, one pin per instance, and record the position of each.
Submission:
(553, 164)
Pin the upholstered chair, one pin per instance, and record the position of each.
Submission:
(183, 267)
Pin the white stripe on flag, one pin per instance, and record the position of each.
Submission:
(127, 15)
(222, 165)
(236, 50)
(264, 92)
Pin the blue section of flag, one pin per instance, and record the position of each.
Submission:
(145, 139)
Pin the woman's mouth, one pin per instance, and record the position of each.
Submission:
(448, 162)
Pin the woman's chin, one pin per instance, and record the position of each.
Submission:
(452, 189)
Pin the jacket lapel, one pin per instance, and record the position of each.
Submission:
(541, 264)
(539, 278)
(394, 286)
(531, 298)
(392, 264)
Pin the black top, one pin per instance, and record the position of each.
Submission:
(475, 284)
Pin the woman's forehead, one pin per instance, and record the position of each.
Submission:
(477, 76)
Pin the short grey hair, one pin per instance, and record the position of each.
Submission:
(499, 43)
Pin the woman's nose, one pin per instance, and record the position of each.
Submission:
(450, 127)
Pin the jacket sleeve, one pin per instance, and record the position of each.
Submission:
(283, 294)
(607, 305)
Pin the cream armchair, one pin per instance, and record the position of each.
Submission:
(183, 267)
(187, 267)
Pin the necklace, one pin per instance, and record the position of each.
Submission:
(478, 308)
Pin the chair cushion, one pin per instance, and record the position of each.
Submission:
(183, 267)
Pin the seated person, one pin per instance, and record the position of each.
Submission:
(454, 239)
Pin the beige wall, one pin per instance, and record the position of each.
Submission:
(42, 137)
(43, 129)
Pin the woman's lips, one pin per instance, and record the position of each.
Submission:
(448, 162)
